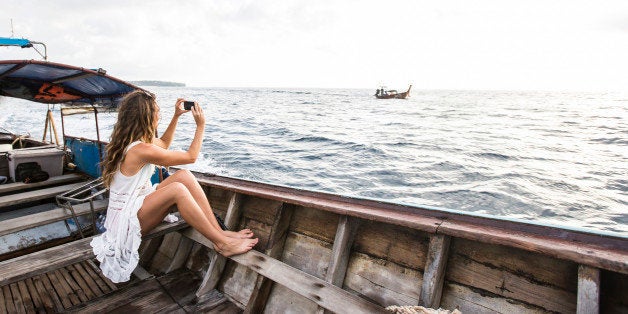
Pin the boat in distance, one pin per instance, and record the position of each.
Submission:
(317, 252)
(382, 93)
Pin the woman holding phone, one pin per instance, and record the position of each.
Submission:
(135, 206)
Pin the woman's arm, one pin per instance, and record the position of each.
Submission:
(154, 154)
(166, 139)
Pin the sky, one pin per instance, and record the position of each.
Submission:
(478, 45)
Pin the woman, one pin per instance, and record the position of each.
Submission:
(136, 207)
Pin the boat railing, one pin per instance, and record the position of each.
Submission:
(85, 194)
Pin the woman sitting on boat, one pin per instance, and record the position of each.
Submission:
(135, 206)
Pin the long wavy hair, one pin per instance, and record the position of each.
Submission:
(136, 122)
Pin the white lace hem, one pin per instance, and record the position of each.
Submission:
(117, 250)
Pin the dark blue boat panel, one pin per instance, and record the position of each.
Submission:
(43, 72)
(85, 155)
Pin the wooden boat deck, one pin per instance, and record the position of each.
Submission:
(81, 287)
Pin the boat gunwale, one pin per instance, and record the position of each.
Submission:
(601, 251)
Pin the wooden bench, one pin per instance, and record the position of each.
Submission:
(37, 263)
(30, 196)
(39, 219)
(19, 186)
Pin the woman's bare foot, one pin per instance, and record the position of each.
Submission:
(242, 234)
(235, 246)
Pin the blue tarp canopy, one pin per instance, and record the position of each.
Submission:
(21, 42)
(53, 83)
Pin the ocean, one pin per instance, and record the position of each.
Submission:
(558, 158)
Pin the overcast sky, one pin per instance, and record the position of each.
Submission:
(481, 44)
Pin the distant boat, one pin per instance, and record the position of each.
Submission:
(387, 94)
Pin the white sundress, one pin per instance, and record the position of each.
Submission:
(117, 248)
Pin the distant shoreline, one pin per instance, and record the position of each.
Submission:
(157, 83)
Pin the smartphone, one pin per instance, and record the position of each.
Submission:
(187, 105)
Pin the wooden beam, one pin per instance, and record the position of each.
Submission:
(341, 252)
(40, 262)
(181, 255)
(30, 196)
(588, 290)
(434, 273)
(598, 250)
(39, 219)
(218, 262)
(274, 249)
(19, 186)
(315, 289)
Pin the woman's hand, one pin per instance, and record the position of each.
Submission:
(178, 107)
(199, 116)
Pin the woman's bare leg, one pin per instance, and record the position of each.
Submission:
(155, 208)
(185, 177)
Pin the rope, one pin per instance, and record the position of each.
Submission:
(409, 309)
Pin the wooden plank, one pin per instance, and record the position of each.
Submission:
(322, 293)
(50, 304)
(181, 286)
(583, 253)
(469, 300)
(26, 297)
(144, 296)
(19, 186)
(518, 283)
(588, 290)
(35, 298)
(148, 249)
(3, 308)
(347, 229)
(17, 298)
(8, 299)
(598, 250)
(58, 214)
(85, 282)
(40, 262)
(45, 282)
(274, 249)
(341, 252)
(434, 274)
(30, 196)
(25, 266)
(382, 282)
(218, 262)
(62, 285)
(181, 255)
(97, 271)
(94, 278)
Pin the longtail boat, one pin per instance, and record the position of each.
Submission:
(382, 93)
(317, 252)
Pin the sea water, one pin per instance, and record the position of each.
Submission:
(557, 158)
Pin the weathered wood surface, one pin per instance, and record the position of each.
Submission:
(383, 282)
(217, 264)
(588, 290)
(434, 275)
(58, 214)
(31, 196)
(469, 300)
(43, 261)
(19, 186)
(341, 252)
(322, 293)
(274, 249)
(513, 274)
(73, 284)
(587, 254)
(590, 249)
